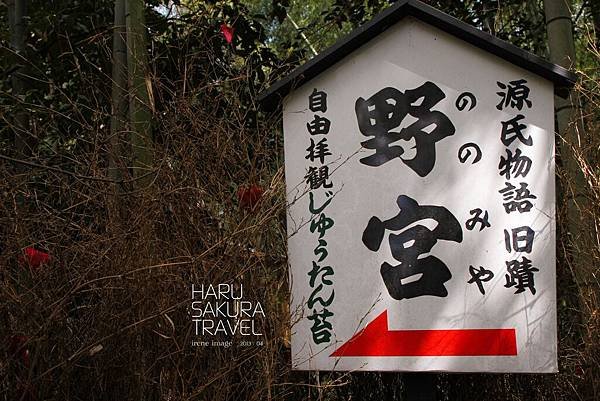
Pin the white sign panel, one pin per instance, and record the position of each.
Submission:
(420, 180)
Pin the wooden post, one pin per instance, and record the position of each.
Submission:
(420, 386)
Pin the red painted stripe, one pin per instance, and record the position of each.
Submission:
(376, 340)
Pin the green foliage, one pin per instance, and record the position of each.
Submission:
(323, 22)
(68, 60)
(66, 52)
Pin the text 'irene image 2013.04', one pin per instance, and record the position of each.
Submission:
(280, 200)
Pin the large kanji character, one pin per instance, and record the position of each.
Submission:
(512, 129)
(515, 94)
(410, 244)
(317, 101)
(520, 239)
(385, 111)
(321, 328)
(317, 177)
(318, 151)
(517, 199)
(318, 126)
(520, 275)
(514, 165)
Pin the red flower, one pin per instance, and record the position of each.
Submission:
(17, 347)
(26, 392)
(34, 258)
(249, 196)
(16, 342)
(227, 32)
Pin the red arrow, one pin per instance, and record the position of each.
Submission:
(377, 340)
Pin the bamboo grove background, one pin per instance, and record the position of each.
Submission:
(135, 160)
